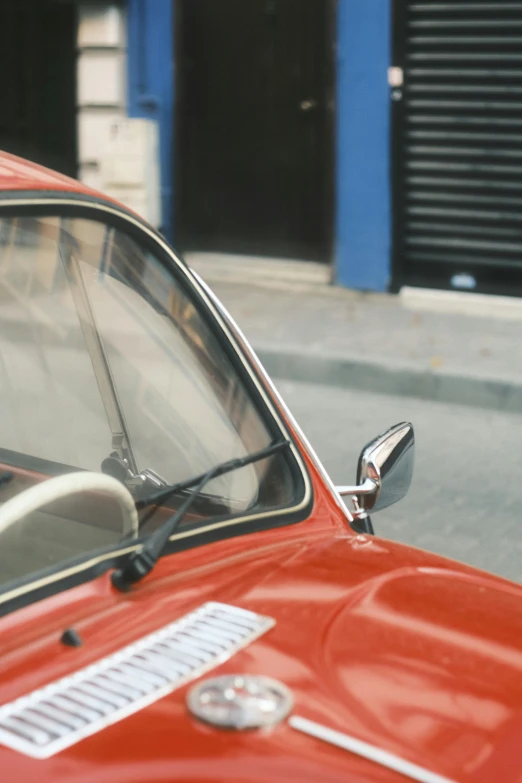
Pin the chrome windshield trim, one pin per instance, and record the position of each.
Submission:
(245, 359)
(366, 751)
(289, 415)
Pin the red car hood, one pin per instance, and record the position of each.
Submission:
(405, 651)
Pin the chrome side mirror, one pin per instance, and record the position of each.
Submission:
(384, 474)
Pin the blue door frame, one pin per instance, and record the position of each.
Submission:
(363, 219)
(363, 198)
(150, 44)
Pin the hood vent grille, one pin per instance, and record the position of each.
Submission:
(59, 715)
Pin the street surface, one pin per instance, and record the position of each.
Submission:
(466, 498)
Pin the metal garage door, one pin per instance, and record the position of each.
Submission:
(457, 145)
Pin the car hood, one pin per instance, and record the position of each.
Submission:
(407, 652)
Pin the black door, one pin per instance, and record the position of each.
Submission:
(254, 98)
(458, 145)
(38, 81)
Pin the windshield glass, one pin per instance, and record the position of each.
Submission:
(104, 352)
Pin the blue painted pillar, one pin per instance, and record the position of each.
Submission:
(150, 44)
(363, 219)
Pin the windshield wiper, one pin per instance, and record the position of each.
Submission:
(141, 563)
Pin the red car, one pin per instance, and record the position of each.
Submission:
(184, 595)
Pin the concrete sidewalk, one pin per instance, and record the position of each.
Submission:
(458, 348)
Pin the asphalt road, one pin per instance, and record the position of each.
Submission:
(466, 498)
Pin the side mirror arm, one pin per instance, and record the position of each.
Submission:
(368, 487)
(361, 519)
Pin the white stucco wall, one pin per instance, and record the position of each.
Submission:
(101, 83)
(117, 155)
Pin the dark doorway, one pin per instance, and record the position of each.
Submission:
(458, 145)
(38, 81)
(254, 129)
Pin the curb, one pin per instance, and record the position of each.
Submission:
(381, 378)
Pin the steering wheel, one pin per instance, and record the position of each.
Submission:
(61, 487)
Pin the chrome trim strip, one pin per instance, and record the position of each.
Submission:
(306, 443)
(366, 751)
(59, 715)
(219, 314)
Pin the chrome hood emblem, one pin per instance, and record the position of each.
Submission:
(240, 702)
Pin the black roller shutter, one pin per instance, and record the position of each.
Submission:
(457, 145)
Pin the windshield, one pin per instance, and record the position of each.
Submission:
(108, 362)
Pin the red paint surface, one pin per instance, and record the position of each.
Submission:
(19, 174)
(22, 175)
(390, 645)
(399, 648)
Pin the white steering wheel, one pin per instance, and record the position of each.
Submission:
(62, 486)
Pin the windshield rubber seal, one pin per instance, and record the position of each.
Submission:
(61, 577)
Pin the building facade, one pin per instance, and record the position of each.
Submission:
(339, 117)
(381, 137)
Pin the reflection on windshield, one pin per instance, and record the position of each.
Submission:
(103, 352)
